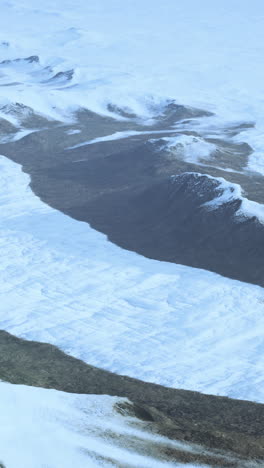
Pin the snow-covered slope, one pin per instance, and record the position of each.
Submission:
(136, 55)
(51, 429)
(62, 282)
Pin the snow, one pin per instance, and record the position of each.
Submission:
(119, 136)
(73, 132)
(191, 148)
(16, 136)
(51, 429)
(227, 193)
(138, 55)
(64, 283)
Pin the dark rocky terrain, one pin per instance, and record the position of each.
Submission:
(125, 189)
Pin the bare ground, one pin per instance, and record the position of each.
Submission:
(230, 432)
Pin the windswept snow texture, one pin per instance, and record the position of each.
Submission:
(62, 55)
(47, 428)
(64, 283)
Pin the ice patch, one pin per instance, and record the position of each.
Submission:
(73, 132)
(191, 148)
(119, 136)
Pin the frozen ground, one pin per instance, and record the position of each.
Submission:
(64, 283)
(51, 429)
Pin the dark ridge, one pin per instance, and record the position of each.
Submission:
(236, 129)
(14, 83)
(164, 114)
(67, 75)
(123, 112)
(31, 59)
(26, 116)
(176, 112)
(218, 423)
(15, 108)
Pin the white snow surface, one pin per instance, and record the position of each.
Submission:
(64, 283)
(191, 148)
(136, 54)
(49, 429)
